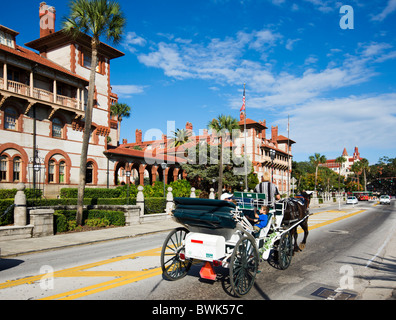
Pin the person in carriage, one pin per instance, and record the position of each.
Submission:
(272, 194)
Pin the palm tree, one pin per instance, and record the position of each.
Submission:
(356, 168)
(340, 161)
(180, 137)
(121, 110)
(316, 160)
(364, 166)
(222, 125)
(96, 18)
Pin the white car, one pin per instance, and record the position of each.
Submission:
(384, 199)
(352, 200)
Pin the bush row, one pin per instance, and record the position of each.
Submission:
(65, 220)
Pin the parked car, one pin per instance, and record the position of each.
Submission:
(364, 198)
(384, 199)
(352, 200)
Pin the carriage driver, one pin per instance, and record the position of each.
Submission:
(272, 194)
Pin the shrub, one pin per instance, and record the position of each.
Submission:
(6, 212)
(60, 222)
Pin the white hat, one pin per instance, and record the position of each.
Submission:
(225, 196)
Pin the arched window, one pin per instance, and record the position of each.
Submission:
(57, 126)
(89, 173)
(51, 171)
(17, 169)
(3, 168)
(62, 166)
(10, 119)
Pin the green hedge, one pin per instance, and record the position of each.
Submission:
(65, 220)
(6, 218)
(10, 193)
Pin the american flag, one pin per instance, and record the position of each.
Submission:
(243, 104)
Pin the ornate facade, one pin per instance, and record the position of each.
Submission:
(43, 94)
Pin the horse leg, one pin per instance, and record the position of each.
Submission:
(304, 226)
(294, 234)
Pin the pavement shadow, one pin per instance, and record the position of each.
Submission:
(9, 263)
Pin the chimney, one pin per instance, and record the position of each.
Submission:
(274, 134)
(263, 132)
(138, 136)
(47, 16)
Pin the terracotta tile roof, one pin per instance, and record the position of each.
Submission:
(32, 56)
(147, 155)
(283, 138)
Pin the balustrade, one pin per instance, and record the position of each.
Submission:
(40, 94)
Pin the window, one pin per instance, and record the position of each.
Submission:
(51, 171)
(10, 119)
(57, 128)
(89, 173)
(17, 169)
(3, 168)
(62, 166)
(6, 39)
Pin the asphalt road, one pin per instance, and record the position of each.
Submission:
(336, 264)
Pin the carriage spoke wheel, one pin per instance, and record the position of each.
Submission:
(173, 267)
(285, 250)
(243, 266)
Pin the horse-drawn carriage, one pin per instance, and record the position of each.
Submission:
(220, 233)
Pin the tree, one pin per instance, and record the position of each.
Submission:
(364, 166)
(316, 160)
(221, 125)
(180, 137)
(96, 18)
(121, 110)
(340, 161)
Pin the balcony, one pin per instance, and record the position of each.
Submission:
(42, 96)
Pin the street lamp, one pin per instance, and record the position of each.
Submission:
(128, 175)
(272, 155)
(163, 166)
(36, 166)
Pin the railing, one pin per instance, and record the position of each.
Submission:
(43, 95)
(66, 101)
(18, 87)
(40, 94)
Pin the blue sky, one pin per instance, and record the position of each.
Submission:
(188, 60)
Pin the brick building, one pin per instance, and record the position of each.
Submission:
(43, 94)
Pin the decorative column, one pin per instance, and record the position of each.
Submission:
(20, 214)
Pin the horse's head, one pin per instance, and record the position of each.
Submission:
(307, 197)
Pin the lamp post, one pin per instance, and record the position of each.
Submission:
(36, 166)
(128, 175)
(272, 155)
(163, 166)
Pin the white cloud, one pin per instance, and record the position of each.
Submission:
(126, 91)
(132, 40)
(326, 125)
(390, 8)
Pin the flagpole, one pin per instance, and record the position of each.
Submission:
(244, 130)
(288, 157)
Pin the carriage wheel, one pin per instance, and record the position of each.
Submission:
(243, 266)
(173, 267)
(285, 250)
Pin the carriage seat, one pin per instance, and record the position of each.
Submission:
(207, 213)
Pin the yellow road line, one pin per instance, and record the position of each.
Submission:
(321, 224)
(82, 292)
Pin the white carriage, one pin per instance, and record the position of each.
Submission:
(220, 233)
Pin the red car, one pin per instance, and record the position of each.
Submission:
(363, 198)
